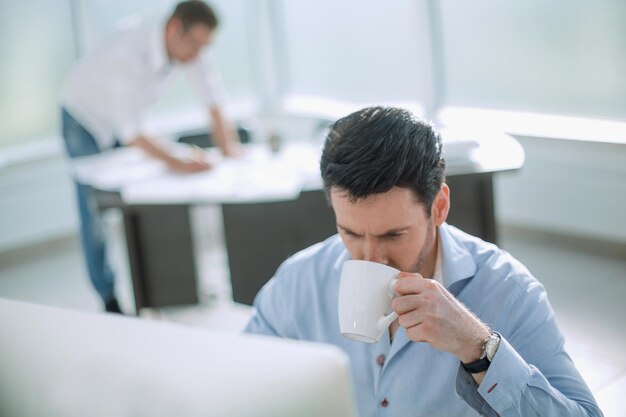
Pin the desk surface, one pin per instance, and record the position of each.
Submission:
(262, 176)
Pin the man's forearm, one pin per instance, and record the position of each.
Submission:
(153, 149)
(224, 133)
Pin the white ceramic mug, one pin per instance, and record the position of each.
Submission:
(365, 293)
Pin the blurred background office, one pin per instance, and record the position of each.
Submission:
(551, 74)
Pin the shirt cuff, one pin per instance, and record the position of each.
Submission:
(467, 389)
(505, 379)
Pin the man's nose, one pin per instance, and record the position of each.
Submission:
(373, 252)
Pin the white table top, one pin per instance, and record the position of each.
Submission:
(261, 175)
(257, 176)
(468, 152)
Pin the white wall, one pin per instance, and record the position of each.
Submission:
(569, 187)
(37, 202)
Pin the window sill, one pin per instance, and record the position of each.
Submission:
(536, 124)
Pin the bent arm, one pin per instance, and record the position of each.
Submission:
(224, 133)
(531, 373)
(512, 387)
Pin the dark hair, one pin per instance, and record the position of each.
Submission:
(195, 12)
(377, 148)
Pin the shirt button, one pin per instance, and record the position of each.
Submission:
(384, 403)
(380, 360)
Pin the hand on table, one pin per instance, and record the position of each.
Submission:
(197, 162)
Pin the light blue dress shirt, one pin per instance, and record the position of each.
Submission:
(530, 375)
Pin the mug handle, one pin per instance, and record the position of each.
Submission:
(386, 320)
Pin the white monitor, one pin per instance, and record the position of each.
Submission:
(56, 362)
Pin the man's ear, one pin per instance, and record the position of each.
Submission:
(441, 205)
(173, 25)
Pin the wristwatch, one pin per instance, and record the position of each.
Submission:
(490, 346)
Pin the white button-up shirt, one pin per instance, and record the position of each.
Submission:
(111, 88)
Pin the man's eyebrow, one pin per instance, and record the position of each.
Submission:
(395, 231)
(344, 228)
(387, 233)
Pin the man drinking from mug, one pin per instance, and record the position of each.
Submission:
(475, 332)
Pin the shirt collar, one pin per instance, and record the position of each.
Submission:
(457, 263)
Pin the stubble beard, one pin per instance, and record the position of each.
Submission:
(427, 249)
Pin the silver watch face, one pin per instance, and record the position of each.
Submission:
(491, 346)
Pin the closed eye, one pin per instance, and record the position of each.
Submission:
(392, 236)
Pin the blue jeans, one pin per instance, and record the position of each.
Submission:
(79, 142)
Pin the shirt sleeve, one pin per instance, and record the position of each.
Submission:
(531, 374)
(270, 315)
(260, 322)
(206, 81)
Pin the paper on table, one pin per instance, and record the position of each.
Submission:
(258, 176)
(113, 169)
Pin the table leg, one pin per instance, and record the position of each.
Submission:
(161, 255)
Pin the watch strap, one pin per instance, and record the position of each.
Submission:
(477, 366)
(482, 364)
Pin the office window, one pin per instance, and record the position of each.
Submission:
(232, 50)
(36, 51)
(562, 57)
(356, 50)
